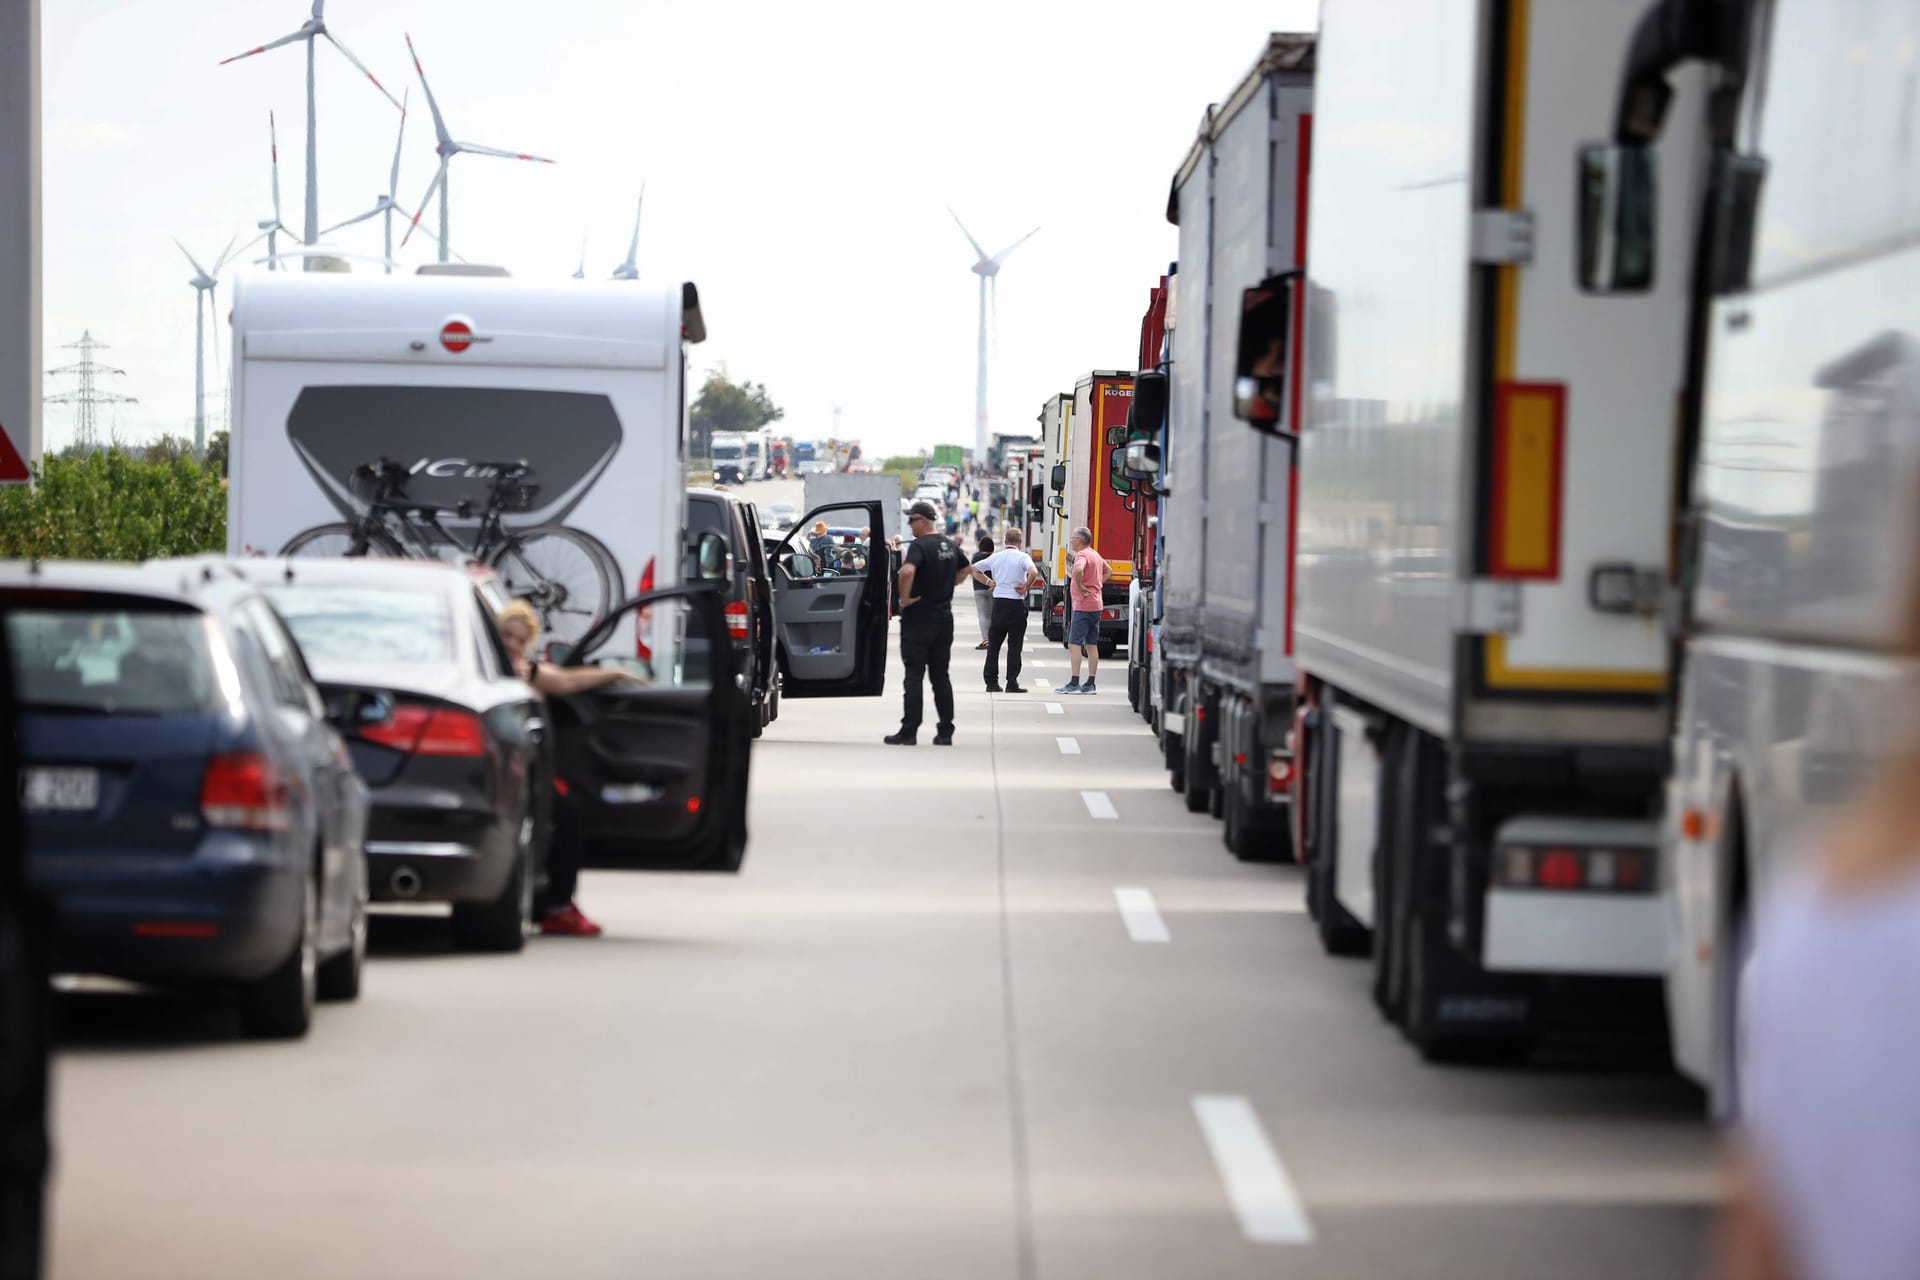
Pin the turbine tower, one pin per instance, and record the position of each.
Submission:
(87, 396)
(987, 267)
(204, 282)
(314, 28)
(447, 149)
(630, 269)
(271, 228)
(387, 204)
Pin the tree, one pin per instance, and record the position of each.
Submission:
(168, 449)
(216, 459)
(726, 405)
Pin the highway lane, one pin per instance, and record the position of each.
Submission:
(948, 1023)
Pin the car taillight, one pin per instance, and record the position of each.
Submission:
(242, 791)
(1279, 774)
(429, 731)
(641, 648)
(737, 619)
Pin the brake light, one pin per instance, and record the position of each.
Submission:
(641, 648)
(737, 619)
(1559, 869)
(242, 791)
(1279, 774)
(1609, 870)
(429, 731)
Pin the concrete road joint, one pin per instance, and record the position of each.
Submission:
(1024, 1249)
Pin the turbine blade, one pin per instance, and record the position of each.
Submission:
(301, 34)
(439, 125)
(426, 231)
(393, 179)
(439, 176)
(478, 150)
(1007, 252)
(633, 245)
(319, 10)
(968, 234)
(374, 212)
(190, 258)
(273, 140)
(226, 255)
(580, 272)
(348, 55)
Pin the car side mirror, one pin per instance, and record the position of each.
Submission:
(710, 557)
(801, 565)
(1149, 407)
(1058, 480)
(1264, 360)
(1617, 201)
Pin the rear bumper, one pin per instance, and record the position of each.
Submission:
(228, 912)
(458, 850)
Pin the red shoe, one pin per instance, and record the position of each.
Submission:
(567, 922)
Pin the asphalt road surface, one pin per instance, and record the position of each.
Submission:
(999, 1010)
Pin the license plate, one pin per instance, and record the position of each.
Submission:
(60, 790)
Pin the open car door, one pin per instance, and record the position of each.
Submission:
(656, 765)
(832, 602)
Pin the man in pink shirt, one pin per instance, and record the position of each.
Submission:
(1087, 573)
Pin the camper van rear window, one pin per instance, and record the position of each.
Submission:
(448, 438)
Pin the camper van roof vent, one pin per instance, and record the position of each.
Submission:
(459, 269)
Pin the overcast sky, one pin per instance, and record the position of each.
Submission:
(798, 161)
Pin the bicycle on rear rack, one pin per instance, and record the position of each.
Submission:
(568, 576)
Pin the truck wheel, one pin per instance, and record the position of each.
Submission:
(1196, 795)
(1108, 648)
(1173, 754)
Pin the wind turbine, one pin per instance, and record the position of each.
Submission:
(987, 267)
(313, 29)
(388, 203)
(272, 227)
(580, 272)
(204, 283)
(630, 269)
(447, 149)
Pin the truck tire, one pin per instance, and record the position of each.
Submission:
(1174, 752)
(1197, 798)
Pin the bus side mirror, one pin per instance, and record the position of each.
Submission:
(1265, 353)
(1149, 407)
(1617, 201)
(1058, 481)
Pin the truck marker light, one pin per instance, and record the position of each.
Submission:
(1516, 866)
(1560, 869)
(1693, 824)
(175, 929)
(693, 804)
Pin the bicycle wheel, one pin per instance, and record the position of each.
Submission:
(564, 574)
(335, 540)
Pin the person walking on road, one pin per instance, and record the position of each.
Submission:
(1011, 573)
(927, 574)
(1088, 572)
(983, 591)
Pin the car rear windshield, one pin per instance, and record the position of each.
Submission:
(111, 660)
(361, 624)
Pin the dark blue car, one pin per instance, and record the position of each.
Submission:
(192, 814)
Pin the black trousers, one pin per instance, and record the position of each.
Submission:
(926, 645)
(565, 852)
(1007, 625)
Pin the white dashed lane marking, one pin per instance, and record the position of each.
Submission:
(1140, 915)
(1055, 709)
(1098, 805)
(1068, 746)
(1257, 1184)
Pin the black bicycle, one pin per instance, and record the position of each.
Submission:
(570, 577)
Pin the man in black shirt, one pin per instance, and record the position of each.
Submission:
(927, 574)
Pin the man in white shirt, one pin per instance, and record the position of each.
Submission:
(1011, 573)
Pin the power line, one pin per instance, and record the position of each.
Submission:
(87, 397)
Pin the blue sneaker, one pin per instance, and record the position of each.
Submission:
(1087, 688)
(1071, 686)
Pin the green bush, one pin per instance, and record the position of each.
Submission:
(110, 505)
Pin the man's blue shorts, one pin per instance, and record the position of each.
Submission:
(1084, 628)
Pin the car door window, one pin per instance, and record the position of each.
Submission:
(495, 662)
(285, 671)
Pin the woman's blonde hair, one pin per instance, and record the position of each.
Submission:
(518, 610)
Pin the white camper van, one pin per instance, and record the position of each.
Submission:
(533, 426)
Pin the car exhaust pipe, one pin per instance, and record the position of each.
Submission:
(404, 883)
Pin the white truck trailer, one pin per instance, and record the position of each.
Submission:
(1802, 425)
(1239, 199)
(1486, 478)
(1056, 439)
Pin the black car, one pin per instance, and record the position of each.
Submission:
(451, 742)
(189, 809)
(748, 592)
